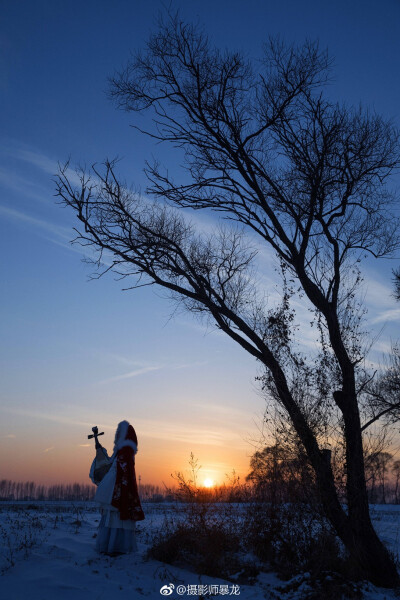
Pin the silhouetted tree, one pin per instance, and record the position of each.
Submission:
(396, 279)
(382, 393)
(304, 176)
(28, 490)
(376, 467)
(396, 473)
(280, 476)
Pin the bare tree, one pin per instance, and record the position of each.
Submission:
(385, 459)
(396, 473)
(396, 281)
(308, 178)
(376, 467)
(381, 393)
(279, 476)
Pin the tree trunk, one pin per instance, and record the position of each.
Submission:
(364, 545)
(355, 529)
(360, 538)
(374, 559)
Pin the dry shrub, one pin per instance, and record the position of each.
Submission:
(19, 534)
(208, 545)
(203, 533)
(330, 586)
(294, 539)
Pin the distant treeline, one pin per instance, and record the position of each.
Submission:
(29, 490)
(272, 478)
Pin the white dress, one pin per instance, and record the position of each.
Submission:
(114, 536)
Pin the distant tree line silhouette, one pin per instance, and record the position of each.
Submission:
(281, 477)
(275, 475)
(29, 490)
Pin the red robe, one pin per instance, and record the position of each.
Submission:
(126, 497)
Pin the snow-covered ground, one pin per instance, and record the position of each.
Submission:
(47, 553)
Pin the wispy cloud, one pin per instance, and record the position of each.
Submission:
(48, 449)
(177, 432)
(205, 329)
(173, 431)
(84, 445)
(223, 411)
(36, 159)
(131, 374)
(126, 360)
(10, 436)
(53, 418)
(62, 232)
(377, 294)
(387, 315)
(143, 367)
(383, 346)
(199, 363)
(59, 235)
(21, 185)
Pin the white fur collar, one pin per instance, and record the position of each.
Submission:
(126, 444)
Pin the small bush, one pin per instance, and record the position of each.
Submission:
(18, 536)
(203, 534)
(329, 586)
(203, 538)
(295, 538)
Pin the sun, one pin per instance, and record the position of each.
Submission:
(208, 483)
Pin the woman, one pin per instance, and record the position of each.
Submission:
(118, 496)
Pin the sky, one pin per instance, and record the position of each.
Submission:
(77, 353)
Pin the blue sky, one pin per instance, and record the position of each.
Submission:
(76, 353)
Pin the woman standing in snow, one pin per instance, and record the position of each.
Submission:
(118, 496)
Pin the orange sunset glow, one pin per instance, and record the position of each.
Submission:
(59, 449)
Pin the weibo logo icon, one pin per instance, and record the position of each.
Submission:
(167, 590)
